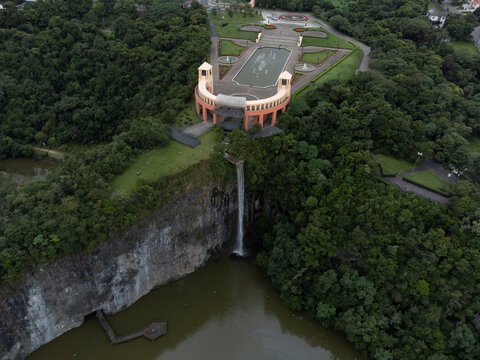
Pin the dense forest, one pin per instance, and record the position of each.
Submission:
(78, 71)
(398, 274)
(88, 72)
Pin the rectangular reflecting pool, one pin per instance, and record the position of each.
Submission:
(263, 67)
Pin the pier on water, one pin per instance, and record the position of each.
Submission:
(152, 332)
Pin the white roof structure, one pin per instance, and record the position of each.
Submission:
(231, 101)
(205, 66)
(285, 75)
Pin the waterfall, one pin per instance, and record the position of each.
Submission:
(241, 199)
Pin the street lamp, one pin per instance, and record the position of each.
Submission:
(418, 157)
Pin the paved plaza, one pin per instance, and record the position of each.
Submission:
(282, 37)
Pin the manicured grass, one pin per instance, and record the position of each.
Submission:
(317, 57)
(231, 30)
(186, 117)
(333, 41)
(345, 70)
(474, 145)
(228, 47)
(463, 45)
(163, 161)
(429, 180)
(391, 165)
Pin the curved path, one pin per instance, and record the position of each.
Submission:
(53, 153)
(364, 64)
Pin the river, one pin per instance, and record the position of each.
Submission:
(226, 310)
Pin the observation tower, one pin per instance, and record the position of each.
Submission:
(220, 106)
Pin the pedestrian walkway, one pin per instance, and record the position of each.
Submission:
(415, 189)
(152, 332)
(183, 138)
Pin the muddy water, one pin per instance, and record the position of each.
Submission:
(27, 167)
(227, 310)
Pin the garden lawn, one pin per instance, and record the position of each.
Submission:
(296, 76)
(429, 180)
(187, 116)
(231, 30)
(391, 165)
(345, 70)
(333, 41)
(317, 57)
(163, 161)
(463, 45)
(228, 47)
(474, 145)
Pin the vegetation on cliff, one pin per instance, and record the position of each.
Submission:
(89, 72)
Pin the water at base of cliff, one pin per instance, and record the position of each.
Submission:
(226, 310)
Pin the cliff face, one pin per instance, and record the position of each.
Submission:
(166, 245)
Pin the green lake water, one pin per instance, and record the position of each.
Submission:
(225, 311)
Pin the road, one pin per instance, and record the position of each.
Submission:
(313, 21)
(447, 4)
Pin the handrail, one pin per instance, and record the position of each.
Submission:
(261, 104)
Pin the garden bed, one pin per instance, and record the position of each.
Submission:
(297, 76)
(223, 70)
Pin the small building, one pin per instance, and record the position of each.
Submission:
(471, 6)
(437, 17)
(1, 7)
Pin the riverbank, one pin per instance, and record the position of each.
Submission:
(226, 310)
(163, 246)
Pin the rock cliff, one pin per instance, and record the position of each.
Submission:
(164, 246)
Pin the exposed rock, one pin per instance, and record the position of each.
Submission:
(162, 247)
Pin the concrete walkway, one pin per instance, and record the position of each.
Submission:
(415, 189)
(198, 129)
(434, 167)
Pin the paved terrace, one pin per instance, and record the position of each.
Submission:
(284, 37)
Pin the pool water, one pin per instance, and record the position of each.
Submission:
(263, 68)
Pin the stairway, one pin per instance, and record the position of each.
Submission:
(277, 40)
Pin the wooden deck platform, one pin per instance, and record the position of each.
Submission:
(152, 332)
